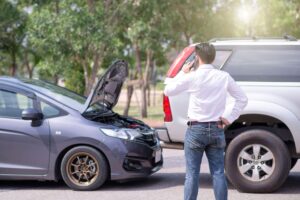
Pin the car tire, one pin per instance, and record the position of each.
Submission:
(84, 168)
(269, 167)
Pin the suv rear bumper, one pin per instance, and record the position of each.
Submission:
(163, 134)
(165, 140)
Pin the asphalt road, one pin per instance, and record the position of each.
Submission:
(167, 184)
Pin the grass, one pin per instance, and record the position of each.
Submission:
(154, 112)
(160, 86)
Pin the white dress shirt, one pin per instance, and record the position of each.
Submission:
(208, 89)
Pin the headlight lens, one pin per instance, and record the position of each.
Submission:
(126, 134)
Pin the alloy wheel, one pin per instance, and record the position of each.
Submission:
(82, 169)
(256, 162)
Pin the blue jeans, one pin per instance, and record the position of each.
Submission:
(211, 139)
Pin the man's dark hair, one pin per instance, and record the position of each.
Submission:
(206, 52)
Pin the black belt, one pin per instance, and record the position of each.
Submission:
(190, 123)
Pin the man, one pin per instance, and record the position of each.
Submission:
(208, 89)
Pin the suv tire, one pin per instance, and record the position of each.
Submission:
(257, 161)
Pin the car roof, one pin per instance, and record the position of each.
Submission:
(13, 81)
(10, 79)
(18, 83)
(255, 41)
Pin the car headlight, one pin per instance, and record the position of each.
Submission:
(123, 133)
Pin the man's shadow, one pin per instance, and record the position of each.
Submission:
(157, 181)
(168, 180)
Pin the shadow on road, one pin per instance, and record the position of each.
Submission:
(156, 182)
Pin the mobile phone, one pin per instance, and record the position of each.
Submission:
(195, 64)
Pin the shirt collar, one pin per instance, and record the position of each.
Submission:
(206, 66)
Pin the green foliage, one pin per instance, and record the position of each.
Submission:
(74, 79)
(75, 40)
(12, 34)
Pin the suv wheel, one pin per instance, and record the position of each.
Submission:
(84, 168)
(257, 161)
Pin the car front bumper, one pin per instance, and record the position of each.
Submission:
(137, 160)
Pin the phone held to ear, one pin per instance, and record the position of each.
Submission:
(190, 66)
(195, 64)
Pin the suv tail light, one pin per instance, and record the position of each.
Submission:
(167, 110)
(179, 61)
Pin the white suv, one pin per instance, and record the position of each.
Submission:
(264, 143)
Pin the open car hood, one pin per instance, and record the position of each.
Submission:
(108, 89)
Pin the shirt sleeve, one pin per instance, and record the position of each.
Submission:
(179, 84)
(240, 97)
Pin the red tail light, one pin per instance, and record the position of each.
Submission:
(167, 109)
(181, 58)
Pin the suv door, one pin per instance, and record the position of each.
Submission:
(24, 145)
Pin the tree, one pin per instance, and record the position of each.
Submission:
(12, 34)
(146, 33)
(75, 33)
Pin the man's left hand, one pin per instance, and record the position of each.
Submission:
(224, 123)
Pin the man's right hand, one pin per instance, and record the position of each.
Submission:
(187, 67)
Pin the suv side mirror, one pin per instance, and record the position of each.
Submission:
(31, 114)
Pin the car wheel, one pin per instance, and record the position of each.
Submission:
(84, 168)
(293, 162)
(257, 161)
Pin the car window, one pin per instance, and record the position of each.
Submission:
(49, 110)
(220, 59)
(24, 102)
(60, 94)
(12, 104)
(265, 65)
(1, 101)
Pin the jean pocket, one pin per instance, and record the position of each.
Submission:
(194, 141)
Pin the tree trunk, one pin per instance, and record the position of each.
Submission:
(145, 84)
(91, 75)
(129, 95)
(27, 64)
(55, 79)
(86, 73)
(148, 73)
(57, 7)
(14, 65)
(138, 60)
(143, 101)
(128, 100)
(148, 95)
(91, 5)
(154, 83)
(143, 109)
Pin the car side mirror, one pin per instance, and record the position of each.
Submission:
(31, 114)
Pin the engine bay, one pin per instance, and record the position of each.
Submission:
(107, 116)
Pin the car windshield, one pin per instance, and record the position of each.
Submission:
(61, 94)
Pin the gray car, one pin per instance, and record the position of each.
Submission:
(48, 132)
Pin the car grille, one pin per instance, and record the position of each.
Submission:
(149, 139)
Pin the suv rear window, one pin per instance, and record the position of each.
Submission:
(220, 59)
(265, 64)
